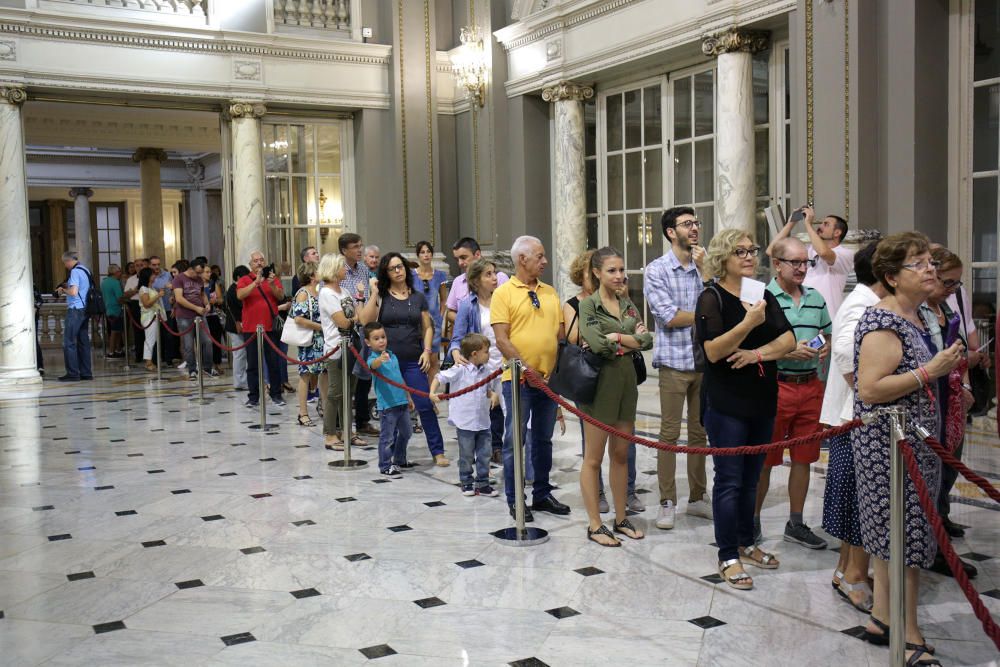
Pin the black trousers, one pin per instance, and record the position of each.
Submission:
(361, 413)
(270, 360)
(137, 334)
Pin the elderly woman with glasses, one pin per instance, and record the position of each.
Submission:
(741, 343)
(896, 363)
(430, 282)
(404, 313)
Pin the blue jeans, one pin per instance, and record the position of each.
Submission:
(394, 435)
(542, 411)
(200, 360)
(474, 450)
(735, 489)
(76, 344)
(496, 427)
(415, 379)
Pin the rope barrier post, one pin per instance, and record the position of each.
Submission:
(262, 394)
(897, 538)
(345, 411)
(518, 535)
(159, 349)
(200, 363)
(126, 325)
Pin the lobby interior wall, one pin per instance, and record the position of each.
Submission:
(378, 178)
(448, 179)
(530, 173)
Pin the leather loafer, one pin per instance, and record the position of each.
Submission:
(528, 517)
(69, 378)
(954, 530)
(551, 505)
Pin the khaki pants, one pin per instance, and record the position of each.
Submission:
(676, 387)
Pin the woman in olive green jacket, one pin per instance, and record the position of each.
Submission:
(612, 327)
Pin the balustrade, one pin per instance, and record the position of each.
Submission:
(173, 10)
(51, 323)
(321, 14)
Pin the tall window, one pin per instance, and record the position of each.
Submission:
(107, 224)
(986, 152)
(762, 145)
(694, 146)
(590, 164)
(303, 188)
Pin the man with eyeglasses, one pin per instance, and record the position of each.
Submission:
(673, 283)
(831, 262)
(355, 283)
(162, 280)
(800, 391)
(526, 315)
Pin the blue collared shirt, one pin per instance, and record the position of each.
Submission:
(670, 287)
(163, 281)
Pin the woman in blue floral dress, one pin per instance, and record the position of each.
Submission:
(305, 310)
(896, 364)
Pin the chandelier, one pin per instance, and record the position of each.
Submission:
(469, 64)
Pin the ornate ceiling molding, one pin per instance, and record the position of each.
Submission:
(552, 19)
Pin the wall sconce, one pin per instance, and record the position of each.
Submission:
(469, 64)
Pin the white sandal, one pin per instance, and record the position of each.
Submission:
(740, 581)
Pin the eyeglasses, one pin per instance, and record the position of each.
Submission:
(534, 299)
(688, 224)
(743, 253)
(798, 263)
(922, 265)
(952, 284)
(395, 267)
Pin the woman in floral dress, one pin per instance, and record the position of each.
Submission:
(305, 310)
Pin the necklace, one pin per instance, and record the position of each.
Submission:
(400, 295)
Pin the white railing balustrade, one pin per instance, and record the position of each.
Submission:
(52, 322)
(169, 11)
(319, 14)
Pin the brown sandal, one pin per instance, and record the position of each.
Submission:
(603, 530)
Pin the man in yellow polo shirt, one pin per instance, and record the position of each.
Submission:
(526, 316)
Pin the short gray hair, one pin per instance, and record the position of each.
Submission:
(256, 252)
(70, 255)
(522, 245)
(368, 249)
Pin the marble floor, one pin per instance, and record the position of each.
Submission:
(140, 528)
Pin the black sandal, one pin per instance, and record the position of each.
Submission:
(603, 530)
(624, 525)
(920, 650)
(304, 420)
(883, 639)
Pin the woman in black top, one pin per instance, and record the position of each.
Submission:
(741, 342)
(408, 326)
(234, 314)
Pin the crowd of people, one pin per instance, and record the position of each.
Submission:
(747, 363)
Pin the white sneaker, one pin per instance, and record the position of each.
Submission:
(183, 365)
(665, 519)
(701, 508)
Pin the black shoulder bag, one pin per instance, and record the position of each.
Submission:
(276, 322)
(576, 371)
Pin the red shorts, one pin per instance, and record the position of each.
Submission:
(799, 406)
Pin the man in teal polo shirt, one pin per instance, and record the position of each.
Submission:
(800, 391)
(111, 288)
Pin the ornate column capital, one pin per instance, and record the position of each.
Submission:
(15, 95)
(81, 192)
(567, 90)
(196, 172)
(735, 40)
(236, 109)
(157, 154)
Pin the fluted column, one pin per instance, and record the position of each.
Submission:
(149, 160)
(248, 179)
(569, 231)
(81, 224)
(57, 242)
(17, 305)
(734, 138)
(196, 232)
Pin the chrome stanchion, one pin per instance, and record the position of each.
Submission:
(126, 325)
(897, 539)
(345, 410)
(262, 393)
(519, 535)
(199, 358)
(159, 349)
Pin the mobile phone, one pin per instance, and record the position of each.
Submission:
(817, 342)
(798, 215)
(952, 335)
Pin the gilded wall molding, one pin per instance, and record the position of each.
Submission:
(15, 95)
(735, 40)
(429, 55)
(402, 132)
(847, 111)
(532, 29)
(810, 185)
(567, 90)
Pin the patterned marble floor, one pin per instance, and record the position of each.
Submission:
(139, 528)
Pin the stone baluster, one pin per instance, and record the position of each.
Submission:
(342, 14)
(304, 13)
(248, 178)
(317, 13)
(290, 13)
(196, 8)
(570, 222)
(279, 12)
(734, 143)
(331, 13)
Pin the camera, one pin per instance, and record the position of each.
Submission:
(266, 272)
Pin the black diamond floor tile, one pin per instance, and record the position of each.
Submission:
(305, 593)
(268, 459)
(126, 513)
(213, 517)
(101, 628)
(400, 529)
(712, 578)
(304, 522)
(77, 576)
(107, 487)
(562, 612)
(356, 557)
(346, 499)
(63, 536)
(528, 662)
(466, 564)
(190, 583)
(995, 593)
(380, 481)
(260, 495)
(706, 622)
(133, 455)
(427, 603)
(857, 631)
(435, 503)
(87, 468)
(972, 555)
(43, 508)
(380, 651)
(239, 638)
(180, 491)
(156, 472)
(588, 571)
(253, 550)
(227, 474)
(199, 457)
(300, 477)
(154, 543)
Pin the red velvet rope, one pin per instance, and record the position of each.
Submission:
(536, 381)
(226, 348)
(291, 360)
(950, 459)
(176, 333)
(444, 397)
(137, 325)
(983, 614)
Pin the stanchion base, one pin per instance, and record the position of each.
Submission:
(263, 427)
(203, 401)
(352, 464)
(529, 537)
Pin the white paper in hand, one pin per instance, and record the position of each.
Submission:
(752, 291)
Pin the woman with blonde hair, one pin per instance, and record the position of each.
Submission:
(741, 343)
(337, 317)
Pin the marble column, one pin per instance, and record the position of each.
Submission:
(81, 223)
(17, 305)
(569, 222)
(734, 137)
(196, 237)
(149, 160)
(249, 233)
(57, 241)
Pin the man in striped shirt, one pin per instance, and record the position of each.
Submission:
(672, 284)
(800, 391)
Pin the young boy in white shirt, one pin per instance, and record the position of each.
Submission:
(470, 413)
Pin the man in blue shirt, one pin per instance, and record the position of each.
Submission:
(76, 338)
